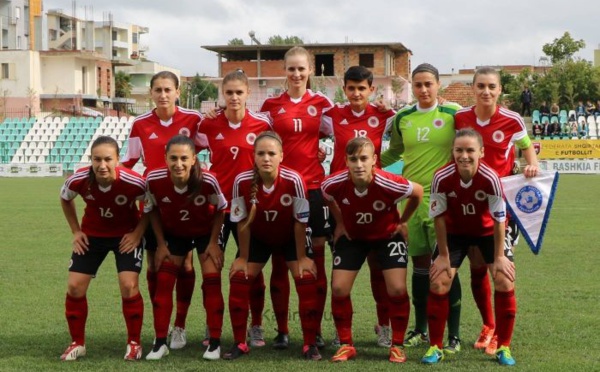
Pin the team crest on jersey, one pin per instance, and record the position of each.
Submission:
(184, 131)
(337, 260)
(438, 123)
(312, 110)
(286, 200)
(250, 138)
(433, 206)
(498, 136)
(70, 263)
(373, 121)
(121, 200)
(409, 124)
(378, 205)
(529, 199)
(200, 200)
(236, 211)
(480, 195)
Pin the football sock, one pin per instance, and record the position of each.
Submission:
(133, 312)
(420, 291)
(319, 258)
(437, 314)
(306, 288)
(506, 309)
(151, 280)
(280, 291)
(186, 281)
(455, 299)
(163, 299)
(341, 309)
(76, 311)
(213, 303)
(399, 310)
(379, 290)
(482, 294)
(257, 299)
(239, 293)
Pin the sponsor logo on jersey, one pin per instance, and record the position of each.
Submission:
(219, 137)
(452, 194)
(138, 264)
(500, 214)
(200, 200)
(438, 123)
(373, 121)
(121, 199)
(153, 136)
(312, 110)
(480, 195)
(378, 205)
(409, 124)
(433, 205)
(250, 137)
(498, 136)
(88, 196)
(286, 200)
(237, 211)
(344, 122)
(184, 131)
(281, 111)
(345, 201)
(402, 259)
(166, 199)
(529, 199)
(337, 260)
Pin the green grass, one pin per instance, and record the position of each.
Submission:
(558, 301)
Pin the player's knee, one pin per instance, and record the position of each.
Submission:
(339, 289)
(502, 283)
(76, 288)
(396, 289)
(129, 287)
(440, 285)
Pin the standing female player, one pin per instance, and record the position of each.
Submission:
(363, 202)
(229, 135)
(147, 140)
(189, 215)
(469, 211)
(110, 223)
(271, 210)
(500, 129)
(423, 135)
(296, 116)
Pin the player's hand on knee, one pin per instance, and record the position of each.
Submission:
(80, 243)
(505, 266)
(129, 242)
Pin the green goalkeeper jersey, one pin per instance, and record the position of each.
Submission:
(423, 137)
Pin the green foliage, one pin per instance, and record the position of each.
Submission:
(123, 84)
(288, 40)
(340, 96)
(562, 49)
(557, 294)
(235, 41)
(568, 82)
(196, 91)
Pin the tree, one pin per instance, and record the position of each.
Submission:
(197, 91)
(235, 41)
(288, 40)
(562, 49)
(340, 96)
(123, 84)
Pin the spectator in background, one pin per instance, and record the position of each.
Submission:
(537, 129)
(544, 109)
(580, 109)
(526, 98)
(597, 111)
(553, 129)
(589, 108)
(554, 109)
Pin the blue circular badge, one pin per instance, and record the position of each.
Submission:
(529, 199)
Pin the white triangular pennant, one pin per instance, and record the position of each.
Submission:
(529, 201)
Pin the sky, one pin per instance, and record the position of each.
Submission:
(448, 34)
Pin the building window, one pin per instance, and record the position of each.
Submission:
(19, 42)
(134, 38)
(17, 12)
(5, 71)
(324, 65)
(84, 79)
(366, 60)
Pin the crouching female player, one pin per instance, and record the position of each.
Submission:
(110, 223)
(363, 202)
(186, 211)
(468, 209)
(271, 210)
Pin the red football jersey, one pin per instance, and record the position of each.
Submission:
(345, 124)
(372, 214)
(298, 122)
(109, 212)
(469, 209)
(277, 209)
(231, 145)
(499, 134)
(180, 216)
(149, 136)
